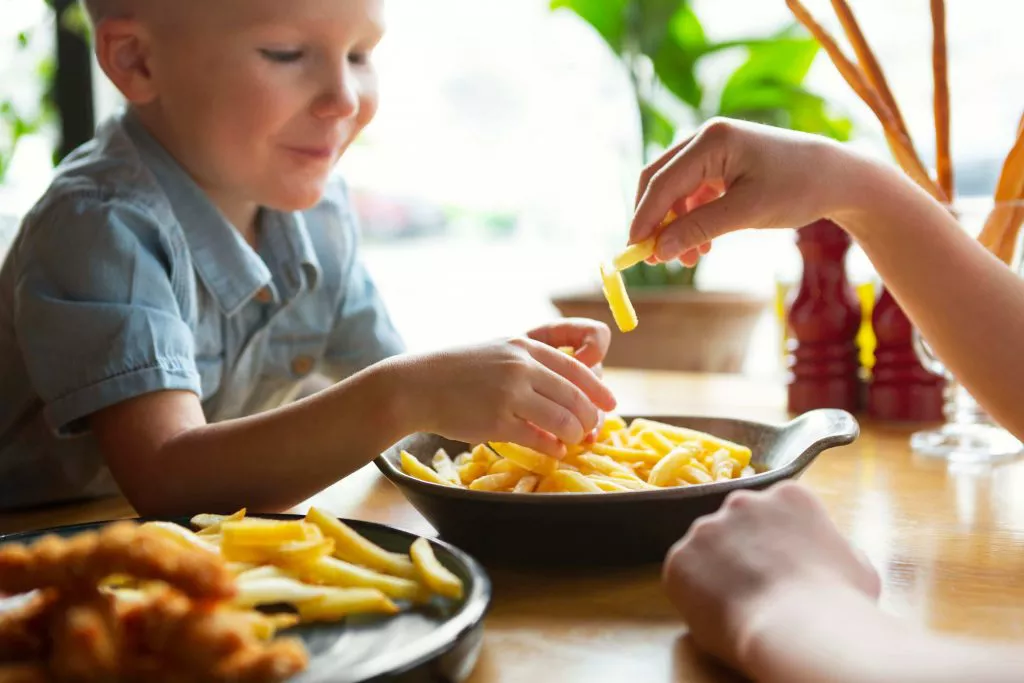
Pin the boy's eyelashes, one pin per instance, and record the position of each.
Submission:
(292, 56)
(281, 56)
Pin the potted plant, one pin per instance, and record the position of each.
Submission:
(662, 45)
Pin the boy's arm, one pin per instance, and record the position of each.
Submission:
(167, 459)
(968, 305)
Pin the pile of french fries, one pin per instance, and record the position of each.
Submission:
(643, 455)
(867, 80)
(319, 566)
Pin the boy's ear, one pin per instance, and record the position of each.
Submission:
(123, 52)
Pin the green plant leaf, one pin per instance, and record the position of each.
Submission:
(675, 61)
(658, 129)
(607, 17)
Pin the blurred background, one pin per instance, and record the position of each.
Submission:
(503, 163)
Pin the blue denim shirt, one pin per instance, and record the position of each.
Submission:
(125, 279)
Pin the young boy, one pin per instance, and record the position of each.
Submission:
(189, 267)
(768, 584)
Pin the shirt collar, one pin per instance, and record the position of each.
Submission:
(231, 270)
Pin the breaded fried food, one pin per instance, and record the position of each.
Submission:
(80, 562)
(24, 630)
(24, 673)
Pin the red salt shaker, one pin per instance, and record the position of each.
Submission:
(901, 389)
(824, 319)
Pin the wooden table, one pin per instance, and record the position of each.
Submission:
(949, 542)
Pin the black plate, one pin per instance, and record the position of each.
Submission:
(582, 530)
(436, 642)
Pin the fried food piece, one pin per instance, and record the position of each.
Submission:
(197, 642)
(24, 630)
(24, 673)
(86, 639)
(122, 548)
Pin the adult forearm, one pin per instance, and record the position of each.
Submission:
(808, 635)
(967, 304)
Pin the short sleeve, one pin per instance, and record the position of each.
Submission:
(95, 312)
(363, 333)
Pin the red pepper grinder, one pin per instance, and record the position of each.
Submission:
(824, 319)
(901, 389)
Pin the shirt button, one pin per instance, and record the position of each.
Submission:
(264, 296)
(302, 365)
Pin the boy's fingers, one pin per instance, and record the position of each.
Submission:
(528, 435)
(552, 418)
(590, 338)
(555, 388)
(576, 372)
(732, 212)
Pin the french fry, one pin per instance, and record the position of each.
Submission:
(681, 434)
(502, 481)
(472, 471)
(331, 571)
(481, 453)
(634, 254)
(432, 572)
(210, 524)
(692, 474)
(628, 484)
(414, 468)
(266, 532)
(351, 547)
(667, 470)
(618, 300)
(527, 484)
(506, 466)
(608, 485)
(657, 441)
(180, 535)
(292, 553)
(610, 425)
(574, 482)
(339, 603)
(263, 572)
(444, 466)
(547, 484)
(527, 458)
(627, 454)
(722, 465)
(275, 590)
(603, 464)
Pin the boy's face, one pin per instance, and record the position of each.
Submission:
(259, 98)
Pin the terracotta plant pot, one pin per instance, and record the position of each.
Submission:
(680, 329)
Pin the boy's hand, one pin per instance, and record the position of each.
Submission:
(732, 175)
(738, 563)
(588, 338)
(520, 390)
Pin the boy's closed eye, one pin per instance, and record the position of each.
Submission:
(293, 56)
(282, 56)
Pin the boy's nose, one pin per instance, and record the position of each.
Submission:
(340, 100)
